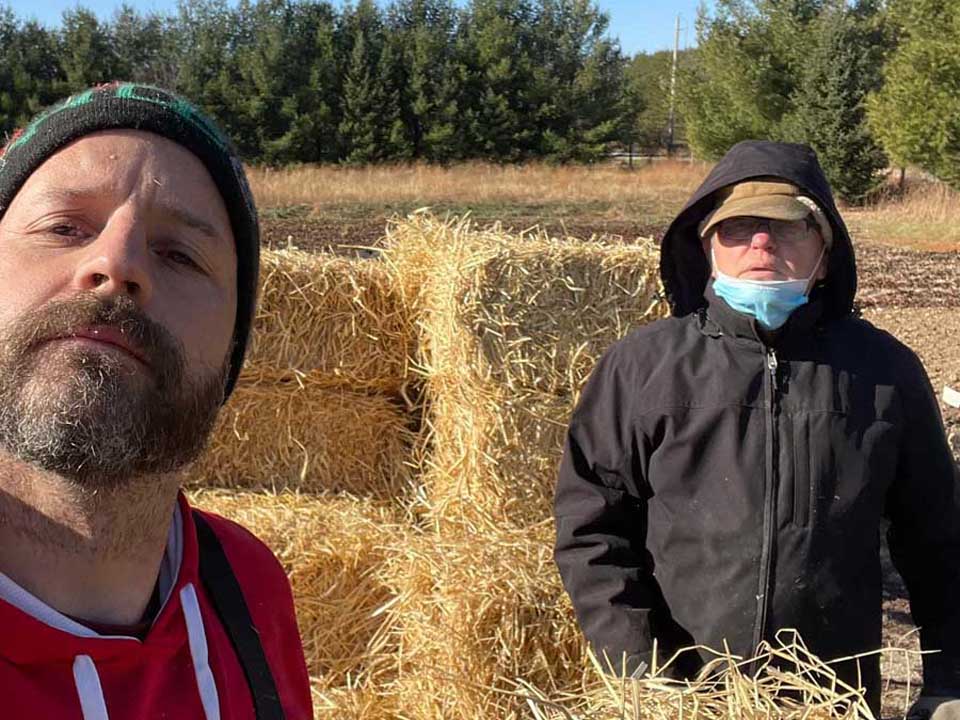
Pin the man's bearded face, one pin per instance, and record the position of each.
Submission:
(92, 412)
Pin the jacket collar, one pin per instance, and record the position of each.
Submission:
(718, 318)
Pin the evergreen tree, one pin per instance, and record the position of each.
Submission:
(281, 105)
(361, 104)
(208, 34)
(9, 98)
(87, 54)
(744, 73)
(916, 114)
(829, 107)
(498, 46)
(38, 78)
(582, 106)
(145, 47)
(204, 40)
(396, 138)
(364, 129)
(648, 85)
(426, 35)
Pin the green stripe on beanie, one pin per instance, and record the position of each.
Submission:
(143, 107)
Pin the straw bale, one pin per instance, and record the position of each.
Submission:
(353, 703)
(790, 683)
(332, 549)
(292, 431)
(474, 611)
(522, 312)
(494, 458)
(510, 328)
(339, 317)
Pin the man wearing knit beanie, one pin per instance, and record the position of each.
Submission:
(128, 258)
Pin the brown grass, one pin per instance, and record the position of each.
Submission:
(324, 185)
(926, 216)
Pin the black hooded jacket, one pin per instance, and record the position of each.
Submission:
(716, 487)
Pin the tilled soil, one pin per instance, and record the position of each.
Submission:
(897, 278)
(913, 295)
(916, 297)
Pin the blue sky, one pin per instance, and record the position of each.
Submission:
(646, 25)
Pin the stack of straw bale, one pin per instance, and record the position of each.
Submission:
(321, 405)
(510, 328)
(333, 549)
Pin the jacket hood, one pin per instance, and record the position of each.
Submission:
(685, 270)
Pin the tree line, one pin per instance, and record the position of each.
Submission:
(303, 81)
(868, 83)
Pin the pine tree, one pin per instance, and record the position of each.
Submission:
(743, 74)
(579, 82)
(432, 77)
(830, 112)
(395, 138)
(9, 100)
(497, 53)
(648, 85)
(88, 55)
(361, 101)
(145, 46)
(281, 104)
(207, 33)
(916, 114)
(37, 74)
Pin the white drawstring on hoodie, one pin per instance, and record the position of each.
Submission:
(87, 680)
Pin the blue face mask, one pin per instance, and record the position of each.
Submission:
(770, 301)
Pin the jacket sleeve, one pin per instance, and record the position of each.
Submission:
(601, 516)
(924, 536)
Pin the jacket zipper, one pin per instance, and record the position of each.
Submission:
(770, 498)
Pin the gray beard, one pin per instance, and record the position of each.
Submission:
(92, 417)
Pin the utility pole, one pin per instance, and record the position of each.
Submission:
(673, 89)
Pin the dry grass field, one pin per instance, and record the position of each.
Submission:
(330, 206)
(462, 592)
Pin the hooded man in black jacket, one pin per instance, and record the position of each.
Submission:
(727, 469)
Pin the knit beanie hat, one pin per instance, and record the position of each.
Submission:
(141, 107)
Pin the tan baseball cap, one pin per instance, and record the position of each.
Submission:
(766, 199)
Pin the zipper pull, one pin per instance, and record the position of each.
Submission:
(772, 366)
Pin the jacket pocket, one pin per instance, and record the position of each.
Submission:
(802, 479)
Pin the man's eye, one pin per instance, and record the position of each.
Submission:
(65, 230)
(182, 258)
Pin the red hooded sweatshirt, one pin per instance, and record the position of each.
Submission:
(185, 668)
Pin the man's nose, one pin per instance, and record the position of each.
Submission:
(117, 262)
(762, 238)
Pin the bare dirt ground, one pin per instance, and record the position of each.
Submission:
(914, 295)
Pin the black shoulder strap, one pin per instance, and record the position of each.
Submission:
(227, 597)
